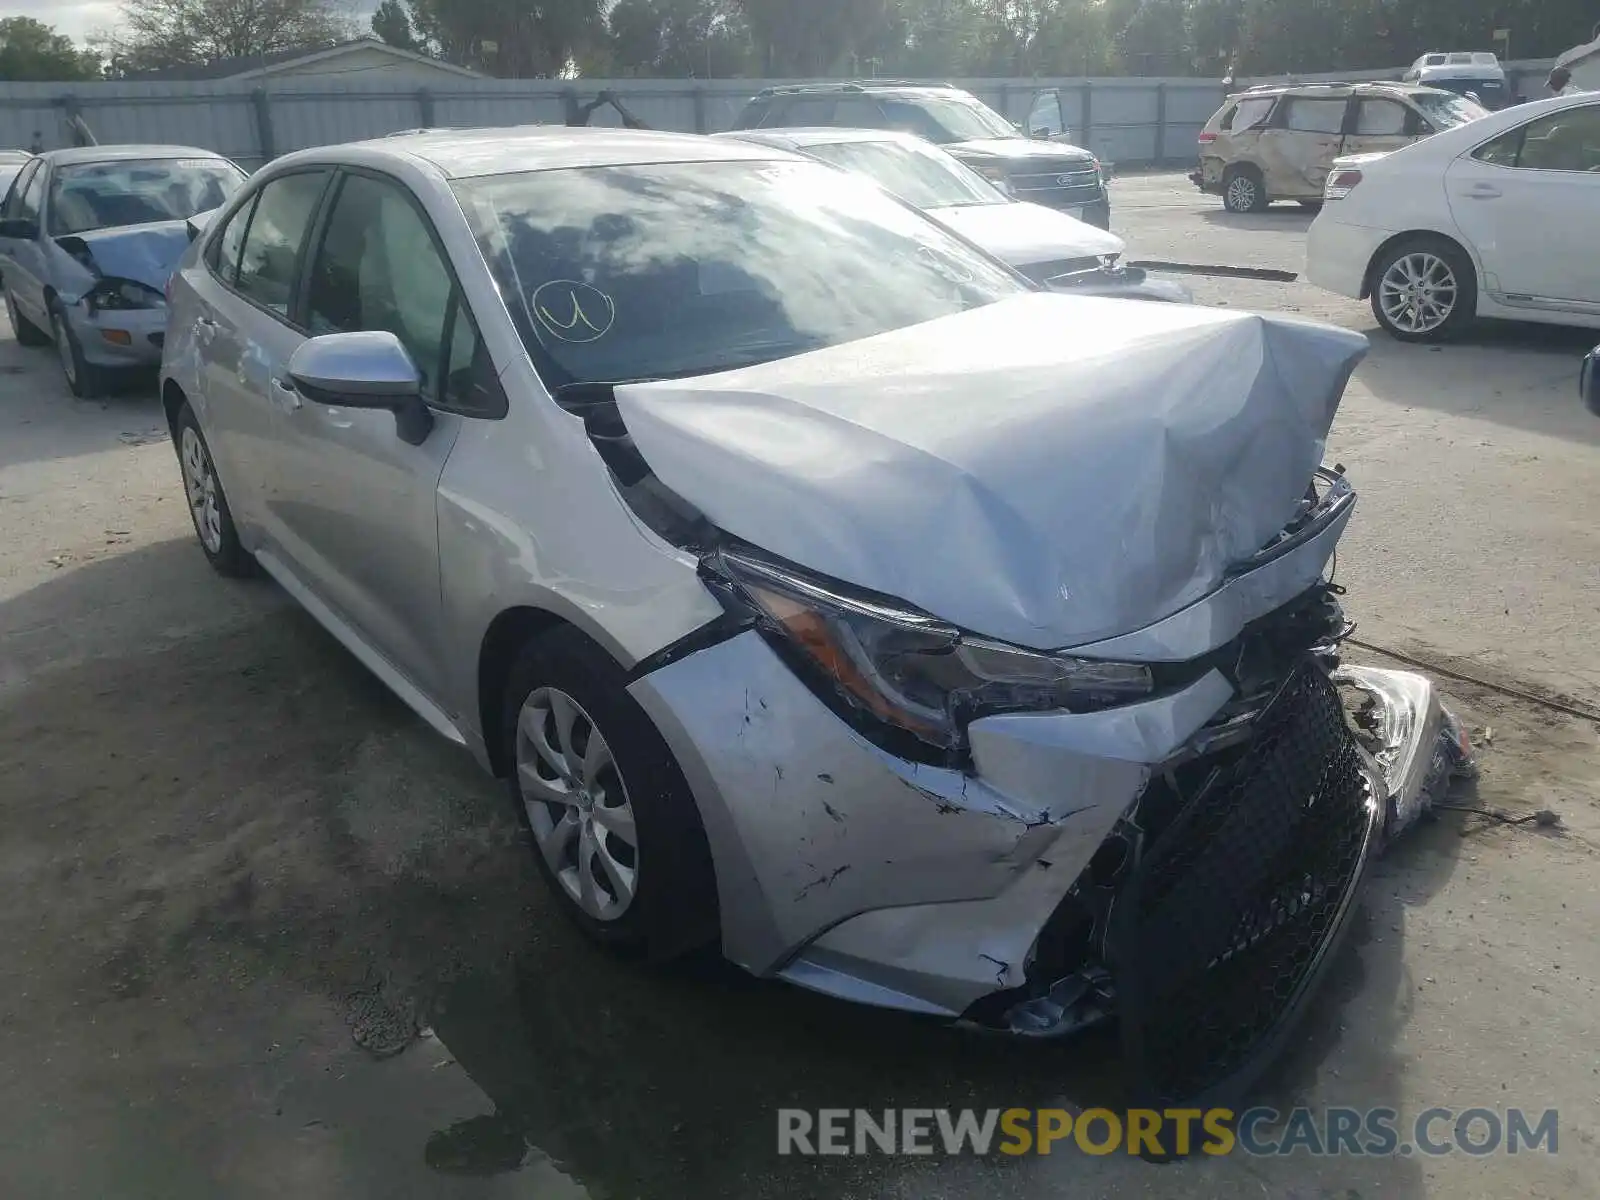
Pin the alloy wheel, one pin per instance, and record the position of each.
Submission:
(200, 482)
(577, 804)
(1418, 293)
(1242, 193)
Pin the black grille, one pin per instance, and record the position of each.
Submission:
(1060, 185)
(1224, 924)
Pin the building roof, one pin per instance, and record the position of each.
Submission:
(256, 65)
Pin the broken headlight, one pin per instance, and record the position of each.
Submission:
(118, 295)
(908, 670)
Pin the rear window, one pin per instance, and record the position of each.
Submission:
(106, 195)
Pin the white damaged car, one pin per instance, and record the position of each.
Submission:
(824, 592)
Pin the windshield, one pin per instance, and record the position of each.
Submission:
(647, 271)
(104, 195)
(919, 174)
(947, 119)
(1446, 110)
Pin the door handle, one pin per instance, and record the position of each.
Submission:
(285, 393)
(1483, 191)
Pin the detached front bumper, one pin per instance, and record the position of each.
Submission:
(1127, 283)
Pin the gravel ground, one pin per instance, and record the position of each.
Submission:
(239, 875)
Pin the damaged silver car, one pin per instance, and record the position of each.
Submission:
(824, 591)
(89, 238)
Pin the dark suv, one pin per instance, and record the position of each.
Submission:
(1049, 173)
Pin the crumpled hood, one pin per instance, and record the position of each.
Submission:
(1018, 148)
(1050, 470)
(146, 254)
(1022, 234)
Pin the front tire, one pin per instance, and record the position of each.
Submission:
(1424, 289)
(1244, 191)
(28, 334)
(616, 832)
(83, 377)
(208, 504)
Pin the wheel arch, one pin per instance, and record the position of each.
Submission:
(510, 630)
(1369, 277)
(173, 398)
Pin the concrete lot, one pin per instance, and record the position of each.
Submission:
(228, 850)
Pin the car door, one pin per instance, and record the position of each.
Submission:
(1527, 201)
(1378, 124)
(245, 333)
(357, 504)
(24, 265)
(1297, 150)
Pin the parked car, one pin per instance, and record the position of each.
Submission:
(1046, 172)
(88, 240)
(1494, 219)
(1475, 73)
(11, 164)
(1279, 142)
(1044, 244)
(824, 591)
(1589, 381)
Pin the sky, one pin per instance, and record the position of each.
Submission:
(79, 18)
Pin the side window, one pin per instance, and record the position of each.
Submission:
(858, 112)
(911, 118)
(378, 268)
(13, 204)
(1045, 116)
(1251, 113)
(1503, 151)
(1314, 116)
(1565, 141)
(1380, 118)
(270, 256)
(803, 110)
(224, 250)
(33, 196)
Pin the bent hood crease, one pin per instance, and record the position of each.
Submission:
(1050, 470)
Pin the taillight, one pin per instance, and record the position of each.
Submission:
(1207, 138)
(1340, 184)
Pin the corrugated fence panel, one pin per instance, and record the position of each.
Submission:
(221, 123)
(325, 117)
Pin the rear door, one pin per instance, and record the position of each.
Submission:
(1380, 124)
(1297, 150)
(244, 334)
(1528, 202)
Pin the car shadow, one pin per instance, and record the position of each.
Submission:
(1539, 393)
(298, 828)
(1282, 217)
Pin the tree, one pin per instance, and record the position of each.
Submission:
(174, 33)
(822, 37)
(30, 50)
(677, 38)
(515, 39)
(392, 23)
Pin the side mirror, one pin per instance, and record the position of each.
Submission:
(1041, 134)
(1589, 381)
(364, 370)
(19, 228)
(200, 222)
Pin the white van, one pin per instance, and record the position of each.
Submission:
(1463, 71)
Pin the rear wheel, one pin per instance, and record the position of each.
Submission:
(28, 334)
(1243, 190)
(1424, 289)
(616, 832)
(208, 504)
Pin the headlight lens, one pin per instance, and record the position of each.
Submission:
(909, 670)
(121, 294)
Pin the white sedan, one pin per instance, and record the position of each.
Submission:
(1494, 218)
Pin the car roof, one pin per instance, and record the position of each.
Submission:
(465, 153)
(14, 156)
(907, 87)
(97, 154)
(1331, 91)
(800, 137)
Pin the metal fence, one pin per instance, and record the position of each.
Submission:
(1124, 120)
